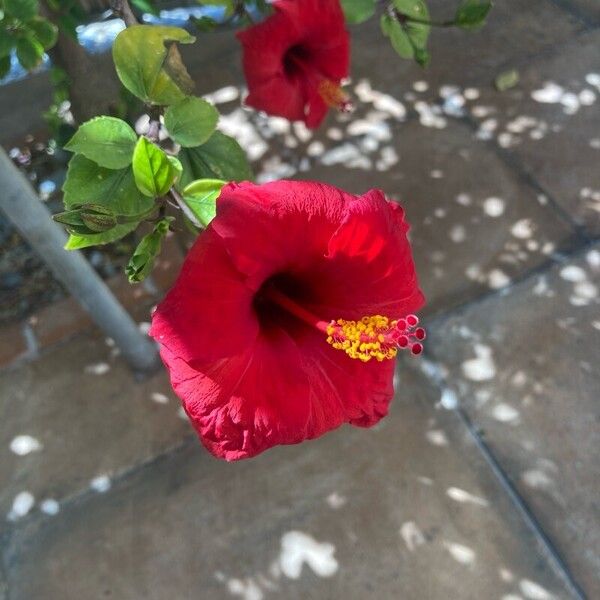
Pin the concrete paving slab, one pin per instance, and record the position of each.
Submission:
(407, 510)
(524, 365)
(587, 10)
(76, 418)
(475, 224)
(549, 122)
(515, 32)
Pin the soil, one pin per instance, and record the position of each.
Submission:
(26, 283)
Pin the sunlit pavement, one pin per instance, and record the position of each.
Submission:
(483, 482)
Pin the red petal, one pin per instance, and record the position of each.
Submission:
(343, 389)
(247, 403)
(277, 226)
(370, 269)
(208, 314)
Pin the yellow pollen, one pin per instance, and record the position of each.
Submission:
(364, 339)
(333, 95)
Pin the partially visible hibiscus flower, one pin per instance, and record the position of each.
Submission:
(287, 313)
(295, 60)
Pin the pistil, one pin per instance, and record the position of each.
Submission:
(373, 336)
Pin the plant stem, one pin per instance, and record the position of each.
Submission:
(122, 9)
(185, 208)
(403, 18)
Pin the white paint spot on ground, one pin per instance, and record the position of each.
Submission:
(593, 79)
(101, 484)
(50, 506)
(481, 368)
(412, 535)
(159, 398)
(497, 279)
(246, 589)
(437, 437)
(390, 105)
(429, 115)
(505, 413)
(494, 207)
(336, 501)
(298, 548)
(586, 97)
(22, 504)
(593, 259)
(511, 597)
(522, 229)
(420, 86)
(537, 479)
(533, 591)
(585, 291)
(465, 497)
(573, 273)
(551, 93)
(225, 94)
(25, 444)
(460, 553)
(464, 199)
(506, 575)
(570, 103)
(449, 399)
(458, 234)
(471, 93)
(144, 327)
(100, 368)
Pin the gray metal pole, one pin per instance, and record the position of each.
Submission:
(25, 210)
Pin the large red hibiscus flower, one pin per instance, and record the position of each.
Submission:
(295, 60)
(288, 308)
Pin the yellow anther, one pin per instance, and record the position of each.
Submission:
(333, 95)
(364, 339)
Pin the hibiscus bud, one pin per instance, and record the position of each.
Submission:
(87, 219)
(141, 262)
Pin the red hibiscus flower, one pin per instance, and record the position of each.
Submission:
(295, 60)
(286, 313)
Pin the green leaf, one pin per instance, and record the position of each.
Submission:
(417, 9)
(191, 122)
(76, 242)
(29, 52)
(141, 262)
(89, 183)
(357, 11)
(201, 198)
(45, 32)
(149, 65)
(408, 38)
(154, 171)
(107, 141)
(204, 23)
(471, 14)
(4, 66)
(146, 6)
(21, 9)
(7, 41)
(507, 80)
(220, 158)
